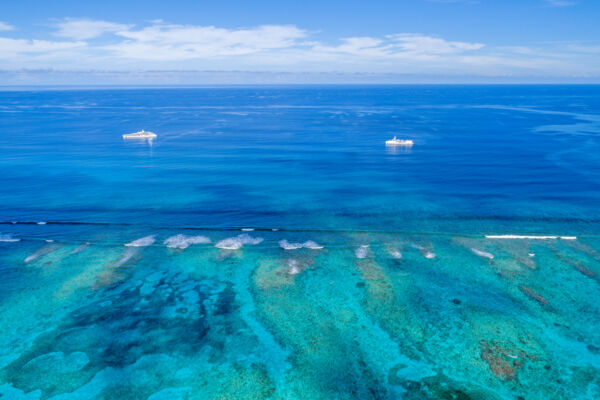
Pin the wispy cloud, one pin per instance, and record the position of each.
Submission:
(560, 3)
(423, 44)
(83, 29)
(6, 27)
(14, 47)
(454, 1)
(183, 42)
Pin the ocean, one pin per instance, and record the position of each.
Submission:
(269, 245)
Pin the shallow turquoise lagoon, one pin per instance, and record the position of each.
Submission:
(268, 246)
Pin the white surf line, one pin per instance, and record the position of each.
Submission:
(534, 237)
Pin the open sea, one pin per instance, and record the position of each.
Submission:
(268, 245)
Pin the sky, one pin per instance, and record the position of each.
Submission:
(313, 41)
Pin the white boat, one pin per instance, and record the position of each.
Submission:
(140, 135)
(398, 142)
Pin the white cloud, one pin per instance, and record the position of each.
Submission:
(161, 46)
(83, 29)
(6, 27)
(25, 46)
(183, 42)
(360, 46)
(416, 43)
(405, 46)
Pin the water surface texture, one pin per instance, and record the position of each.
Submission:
(267, 245)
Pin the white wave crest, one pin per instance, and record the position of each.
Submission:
(482, 253)
(284, 244)
(183, 241)
(8, 238)
(309, 244)
(426, 253)
(237, 242)
(362, 251)
(42, 223)
(247, 229)
(142, 242)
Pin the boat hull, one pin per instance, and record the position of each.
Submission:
(405, 143)
(137, 136)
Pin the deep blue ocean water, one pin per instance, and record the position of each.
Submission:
(401, 295)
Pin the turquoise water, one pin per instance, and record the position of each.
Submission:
(267, 245)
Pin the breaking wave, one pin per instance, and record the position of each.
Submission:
(183, 241)
(309, 244)
(237, 242)
(142, 242)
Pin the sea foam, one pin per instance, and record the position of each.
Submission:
(128, 255)
(8, 238)
(482, 253)
(183, 241)
(49, 248)
(429, 254)
(237, 242)
(362, 251)
(284, 244)
(309, 244)
(395, 253)
(142, 242)
(426, 253)
(294, 267)
(80, 248)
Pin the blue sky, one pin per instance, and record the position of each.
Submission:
(260, 41)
